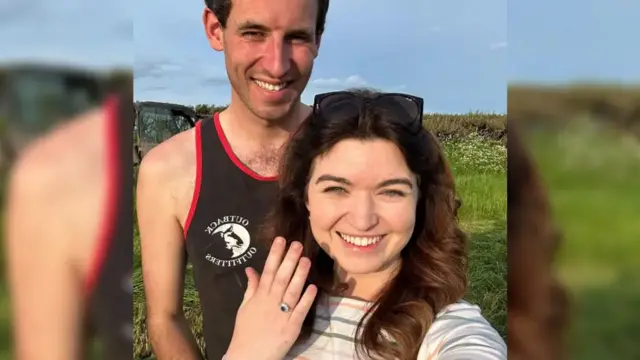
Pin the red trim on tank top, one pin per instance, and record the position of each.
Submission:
(112, 195)
(196, 189)
(234, 158)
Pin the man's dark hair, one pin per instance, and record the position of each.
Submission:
(222, 8)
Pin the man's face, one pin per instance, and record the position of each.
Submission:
(269, 49)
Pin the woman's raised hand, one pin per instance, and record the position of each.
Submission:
(270, 317)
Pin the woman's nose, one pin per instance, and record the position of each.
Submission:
(362, 213)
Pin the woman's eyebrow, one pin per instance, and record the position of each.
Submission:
(338, 179)
(393, 181)
(396, 181)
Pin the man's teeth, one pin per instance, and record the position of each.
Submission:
(360, 241)
(270, 87)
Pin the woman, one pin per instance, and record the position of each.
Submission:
(369, 198)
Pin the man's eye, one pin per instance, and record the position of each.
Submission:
(252, 34)
(299, 39)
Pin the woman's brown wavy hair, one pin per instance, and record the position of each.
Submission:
(433, 273)
(539, 304)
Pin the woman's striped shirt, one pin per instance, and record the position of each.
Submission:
(458, 332)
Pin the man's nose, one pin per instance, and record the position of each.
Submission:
(277, 58)
(362, 212)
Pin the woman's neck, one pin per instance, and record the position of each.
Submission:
(365, 286)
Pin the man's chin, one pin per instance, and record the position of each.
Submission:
(273, 112)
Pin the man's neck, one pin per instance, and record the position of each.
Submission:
(260, 131)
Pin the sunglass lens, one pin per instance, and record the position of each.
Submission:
(400, 105)
(340, 107)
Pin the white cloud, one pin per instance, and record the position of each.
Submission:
(397, 88)
(351, 81)
(498, 45)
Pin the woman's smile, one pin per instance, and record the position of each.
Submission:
(361, 242)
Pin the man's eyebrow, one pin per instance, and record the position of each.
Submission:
(388, 182)
(301, 32)
(252, 25)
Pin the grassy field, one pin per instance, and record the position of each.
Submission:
(474, 144)
(586, 140)
(592, 172)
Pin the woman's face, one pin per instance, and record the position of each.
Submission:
(362, 204)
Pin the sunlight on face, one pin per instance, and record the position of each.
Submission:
(270, 47)
(362, 200)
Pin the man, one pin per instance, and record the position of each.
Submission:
(68, 238)
(203, 193)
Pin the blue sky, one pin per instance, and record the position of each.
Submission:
(453, 53)
(89, 33)
(561, 41)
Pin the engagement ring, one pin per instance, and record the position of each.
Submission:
(284, 307)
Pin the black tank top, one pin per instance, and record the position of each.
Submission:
(109, 284)
(230, 201)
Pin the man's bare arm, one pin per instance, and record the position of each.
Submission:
(39, 263)
(163, 263)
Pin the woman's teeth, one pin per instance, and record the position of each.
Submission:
(359, 240)
(270, 87)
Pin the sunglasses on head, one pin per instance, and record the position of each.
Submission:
(403, 108)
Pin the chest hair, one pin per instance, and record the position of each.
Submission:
(264, 162)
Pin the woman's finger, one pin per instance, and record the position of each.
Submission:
(285, 272)
(272, 264)
(301, 310)
(253, 279)
(296, 286)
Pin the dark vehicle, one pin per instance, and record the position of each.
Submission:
(156, 122)
(35, 97)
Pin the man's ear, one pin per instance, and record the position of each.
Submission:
(212, 29)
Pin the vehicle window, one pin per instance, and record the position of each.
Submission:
(42, 99)
(157, 124)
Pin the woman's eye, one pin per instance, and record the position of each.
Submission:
(394, 193)
(335, 189)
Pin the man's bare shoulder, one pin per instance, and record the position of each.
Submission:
(169, 170)
(58, 184)
(67, 158)
(168, 160)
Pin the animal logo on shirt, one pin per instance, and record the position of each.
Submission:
(233, 240)
(231, 244)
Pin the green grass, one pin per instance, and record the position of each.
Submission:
(479, 166)
(5, 323)
(5, 308)
(593, 173)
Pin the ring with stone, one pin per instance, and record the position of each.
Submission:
(284, 307)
